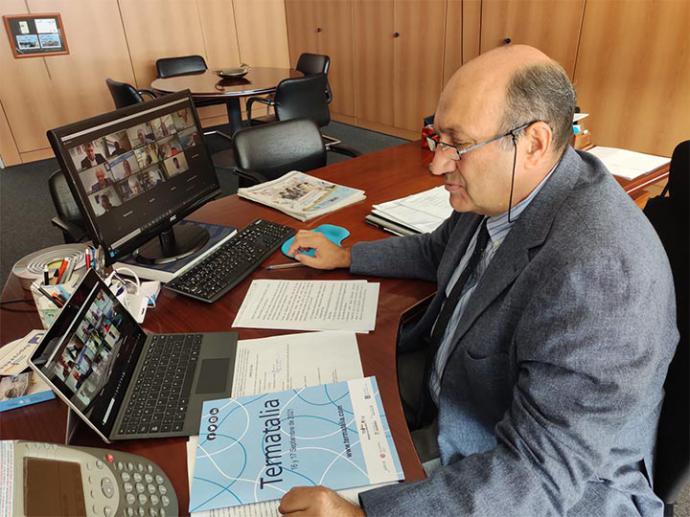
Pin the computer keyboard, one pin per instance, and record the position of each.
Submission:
(227, 266)
(159, 401)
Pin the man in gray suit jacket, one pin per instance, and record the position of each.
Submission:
(550, 356)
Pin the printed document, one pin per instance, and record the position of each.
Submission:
(256, 448)
(302, 196)
(310, 305)
(422, 212)
(275, 364)
(14, 357)
(627, 164)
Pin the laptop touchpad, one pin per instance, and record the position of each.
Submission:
(214, 376)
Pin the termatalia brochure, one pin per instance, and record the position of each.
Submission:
(256, 448)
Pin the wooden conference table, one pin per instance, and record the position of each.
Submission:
(384, 175)
(209, 88)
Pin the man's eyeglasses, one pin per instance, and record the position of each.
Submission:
(455, 152)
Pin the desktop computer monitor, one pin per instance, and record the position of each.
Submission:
(135, 172)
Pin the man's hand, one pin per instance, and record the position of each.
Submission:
(317, 501)
(327, 254)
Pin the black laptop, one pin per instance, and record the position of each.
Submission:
(123, 382)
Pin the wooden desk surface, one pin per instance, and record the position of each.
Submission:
(209, 86)
(384, 175)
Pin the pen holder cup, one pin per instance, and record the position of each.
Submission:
(47, 310)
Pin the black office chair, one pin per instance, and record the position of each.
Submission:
(125, 94)
(313, 64)
(668, 213)
(305, 97)
(69, 219)
(266, 152)
(182, 65)
(308, 64)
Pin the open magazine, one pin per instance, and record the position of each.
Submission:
(302, 196)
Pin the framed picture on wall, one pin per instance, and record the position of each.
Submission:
(33, 35)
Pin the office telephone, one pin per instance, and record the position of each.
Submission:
(51, 479)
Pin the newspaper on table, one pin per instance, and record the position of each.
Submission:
(422, 212)
(302, 196)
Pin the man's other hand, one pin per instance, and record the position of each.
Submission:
(327, 255)
(317, 502)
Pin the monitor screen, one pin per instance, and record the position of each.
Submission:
(136, 171)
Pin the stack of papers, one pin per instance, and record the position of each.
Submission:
(628, 164)
(302, 196)
(19, 387)
(310, 305)
(419, 213)
(275, 364)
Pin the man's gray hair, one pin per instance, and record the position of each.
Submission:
(541, 92)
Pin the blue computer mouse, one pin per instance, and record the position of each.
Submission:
(335, 234)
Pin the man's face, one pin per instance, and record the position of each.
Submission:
(480, 181)
(90, 154)
(100, 176)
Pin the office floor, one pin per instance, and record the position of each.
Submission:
(26, 207)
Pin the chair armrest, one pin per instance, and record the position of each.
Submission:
(268, 101)
(69, 229)
(250, 177)
(344, 149)
(146, 91)
(219, 133)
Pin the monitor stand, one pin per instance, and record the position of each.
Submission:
(173, 243)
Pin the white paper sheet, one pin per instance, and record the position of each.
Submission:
(310, 305)
(14, 356)
(283, 362)
(424, 211)
(628, 164)
(280, 363)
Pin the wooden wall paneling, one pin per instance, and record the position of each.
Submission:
(633, 72)
(301, 16)
(160, 28)
(373, 35)
(222, 48)
(335, 40)
(471, 28)
(98, 50)
(8, 148)
(44, 93)
(262, 32)
(552, 27)
(452, 59)
(27, 88)
(418, 70)
(219, 33)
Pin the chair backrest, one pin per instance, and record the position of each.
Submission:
(669, 216)
(310, 64)
(303, 97)
(65, 205)
(280, 147)
(172, 66)
(123, 94)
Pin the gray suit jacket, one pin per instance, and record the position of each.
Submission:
(550, 399)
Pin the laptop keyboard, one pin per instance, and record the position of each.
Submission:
(161, 393)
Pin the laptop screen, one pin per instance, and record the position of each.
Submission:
(90, 352)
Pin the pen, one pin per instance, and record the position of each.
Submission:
(70, 270)
(289, 265)
(50, 297)
(61, 270)
(46, 276)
